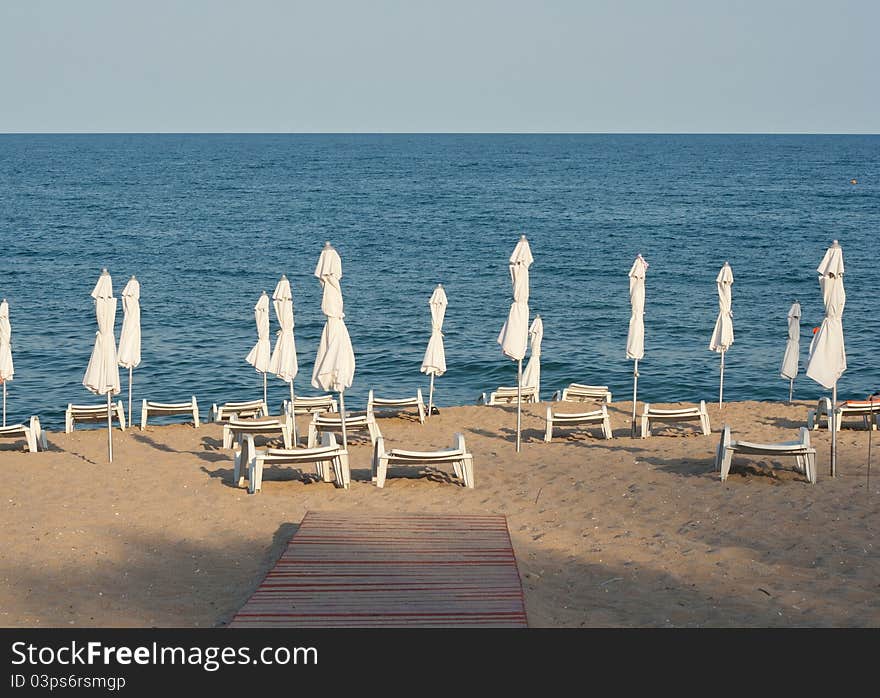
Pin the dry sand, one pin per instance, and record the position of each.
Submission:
(627, 532)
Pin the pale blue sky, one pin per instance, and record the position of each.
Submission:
(771, 66)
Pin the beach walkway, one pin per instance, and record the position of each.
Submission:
(344, 570)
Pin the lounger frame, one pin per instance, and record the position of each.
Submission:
(235, 429)
(677, 414)
(570, 419)
(169, 408)
(32, 433)
(461, 461)
(506, 395)
(801, 450)
(333, 422)
(326, 457)
(576, 392)
(309, 404)
(864, 409)
(247, 408)
(374, 403)
(92, 413)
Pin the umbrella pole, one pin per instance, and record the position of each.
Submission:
(635, 392)
(265, 401)
(109, 428)
(4, 403)
(430, 397)
(721, 384)
(129, 396)
(342, 417)
(790, 389)
(518, 405)
(293, 415)
(833, 420)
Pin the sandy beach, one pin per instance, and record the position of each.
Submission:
(619, 533)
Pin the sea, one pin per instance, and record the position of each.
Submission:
(208, 222)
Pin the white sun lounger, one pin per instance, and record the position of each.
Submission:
(506, 395)
(236, 428)
(248, 408)
(329, 421)
(374, 402)
(576, 419)
(804, 454)
(92, 413)
(461, 461)
(575, 392)
(324, 457)
(31, 432)
(677, 414)
(863, 409)
(165, 408)
(309, 404)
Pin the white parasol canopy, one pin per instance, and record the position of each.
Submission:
(827, 360)
(532, 374)
(129, 354)
(261, 353)
(6, 368)
(514, 335)
(102, 373)
(334, 363)
(434, 363)
(790, 359)
(283, 362)
(722, 337)
(635, 339)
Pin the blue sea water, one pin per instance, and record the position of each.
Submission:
(207, 222)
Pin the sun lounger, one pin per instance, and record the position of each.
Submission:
(92, 413)
(309, 404)
(457, 456)
(863, 409)
(575, 392)
(576, 419)
(236, 428)
(166, 408)
(31, 432)
(506, 395)
(804, 454)
(374, 402)
(324, 457)
(677, 414)
(333, 422)
(248, 408)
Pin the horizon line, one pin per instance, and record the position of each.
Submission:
(439, 133)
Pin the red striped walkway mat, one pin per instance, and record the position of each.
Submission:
(343, 570)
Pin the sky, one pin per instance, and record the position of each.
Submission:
(484, 66)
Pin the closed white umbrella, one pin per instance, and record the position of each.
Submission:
(434, 363)
(532, 374)
(102, 373)
(283, 363)
(261, 353)
(722, 337)
(791, 357)
(334, 363)
(6, 368)
(827, 360)
(514, 336)
(129, 354)
(635, 339)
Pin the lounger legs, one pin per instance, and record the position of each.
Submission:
(468, 472)
(381, 471)
(548, 433)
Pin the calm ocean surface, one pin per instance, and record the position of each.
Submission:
(207, 222)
